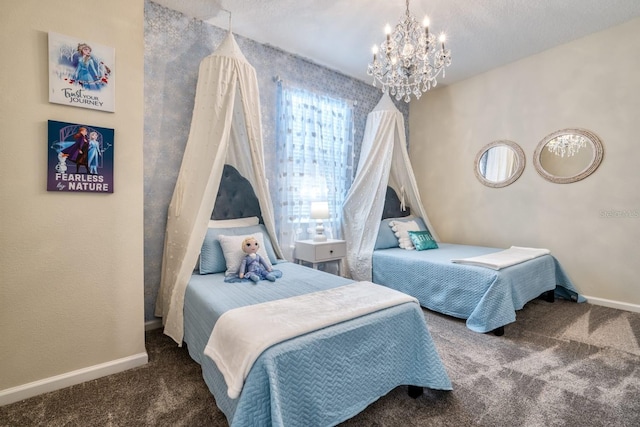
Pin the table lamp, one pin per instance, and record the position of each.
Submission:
(319, 211)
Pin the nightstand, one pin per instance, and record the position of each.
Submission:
(317, 252)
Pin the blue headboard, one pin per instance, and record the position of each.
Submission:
(236, 198)
(392, 206)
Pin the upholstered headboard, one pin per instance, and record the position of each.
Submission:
(392, 206)
(236, 198)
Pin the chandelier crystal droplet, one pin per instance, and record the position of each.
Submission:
(410, 60)
(566, 145)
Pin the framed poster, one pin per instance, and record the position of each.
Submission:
(81, 73)
(80, 158)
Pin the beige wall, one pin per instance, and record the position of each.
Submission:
(71, 264)
(589, 83)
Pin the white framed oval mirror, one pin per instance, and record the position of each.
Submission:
(568, 155)
(499, 163)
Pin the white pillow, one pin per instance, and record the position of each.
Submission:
(233, 253)
(231, 223)
(401, 230)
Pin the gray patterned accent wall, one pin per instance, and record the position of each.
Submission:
(174, 46)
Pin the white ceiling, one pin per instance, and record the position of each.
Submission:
(482, 34)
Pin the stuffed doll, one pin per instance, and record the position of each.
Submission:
(253, 267)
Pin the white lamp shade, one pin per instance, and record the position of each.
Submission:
(319, 210)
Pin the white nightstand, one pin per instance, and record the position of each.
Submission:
(317, 252)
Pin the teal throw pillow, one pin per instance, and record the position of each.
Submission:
(422, 240)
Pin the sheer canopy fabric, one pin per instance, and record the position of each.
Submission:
(225, 128)
(383, 161)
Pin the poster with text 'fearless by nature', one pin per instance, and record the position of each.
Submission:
(80, 158)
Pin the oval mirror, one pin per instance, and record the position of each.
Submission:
(499, 163)
(568, 155)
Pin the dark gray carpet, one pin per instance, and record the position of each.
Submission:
(560, 364)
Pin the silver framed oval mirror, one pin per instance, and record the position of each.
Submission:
(568, 155)
(499, 163)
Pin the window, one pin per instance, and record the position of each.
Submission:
(314, 160)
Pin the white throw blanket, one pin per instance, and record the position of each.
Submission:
(506, 258)
(242, 334)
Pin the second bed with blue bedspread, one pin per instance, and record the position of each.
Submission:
(486, 298)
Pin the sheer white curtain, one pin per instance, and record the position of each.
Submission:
(498, 164)
(225, 128)
(314, 161)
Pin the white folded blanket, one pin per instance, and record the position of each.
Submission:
(242, 334)
(506, 258)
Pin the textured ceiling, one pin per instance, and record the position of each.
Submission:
(482, 34)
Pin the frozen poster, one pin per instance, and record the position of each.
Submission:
(81, 73)
(80, 158)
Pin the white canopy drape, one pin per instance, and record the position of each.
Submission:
(225, 128)
(383, 161)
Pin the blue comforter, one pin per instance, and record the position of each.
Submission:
(486, 298)
(321, 378)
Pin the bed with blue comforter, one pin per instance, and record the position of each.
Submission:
(321, 378)
(488, 299)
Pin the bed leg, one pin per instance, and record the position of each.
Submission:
(549, 296)
(415, 391)
(498, 331)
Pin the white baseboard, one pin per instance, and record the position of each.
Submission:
(58, 382)
(150, 325)
(613, 304)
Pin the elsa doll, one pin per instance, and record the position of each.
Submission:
(94, 153)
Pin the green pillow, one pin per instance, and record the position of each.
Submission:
(422, 240)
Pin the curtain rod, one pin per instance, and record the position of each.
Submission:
(278, 79)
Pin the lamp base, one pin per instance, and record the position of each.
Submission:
(319, 236)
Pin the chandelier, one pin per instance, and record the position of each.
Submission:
(410, 59)
(568, 144)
